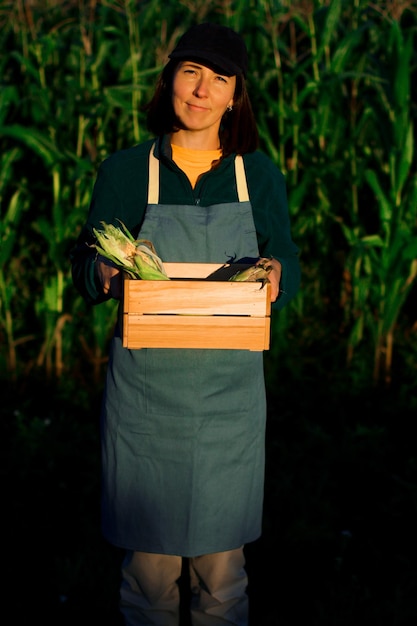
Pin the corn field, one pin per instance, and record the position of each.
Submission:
(334, 89)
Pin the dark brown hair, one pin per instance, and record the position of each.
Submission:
(238, 130)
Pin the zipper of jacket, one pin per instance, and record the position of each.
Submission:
(197, 199)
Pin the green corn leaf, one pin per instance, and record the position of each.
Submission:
(397, 294)
(405, 159)
(9, 97)
(384, 203)
(373, 241)
(330, 26)
(35, 140)
(402, 53)
(8, 226)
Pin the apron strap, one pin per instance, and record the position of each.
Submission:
(242, 186)
(153, 183)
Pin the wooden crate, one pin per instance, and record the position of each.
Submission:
(194, 311)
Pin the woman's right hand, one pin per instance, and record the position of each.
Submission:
(110, 277)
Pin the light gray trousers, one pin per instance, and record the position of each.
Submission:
(150, 595)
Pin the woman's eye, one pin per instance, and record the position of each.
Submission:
(188, 69)
(221, 79)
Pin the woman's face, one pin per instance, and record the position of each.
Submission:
(200, 96)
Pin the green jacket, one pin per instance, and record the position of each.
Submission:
(120, 192)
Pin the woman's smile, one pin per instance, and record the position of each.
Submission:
(196, 107)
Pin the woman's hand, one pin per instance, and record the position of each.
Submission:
(274, 278)
(110, 277)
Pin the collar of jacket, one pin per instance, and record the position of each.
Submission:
(163, 149)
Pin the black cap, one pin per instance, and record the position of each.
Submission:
(218, 47)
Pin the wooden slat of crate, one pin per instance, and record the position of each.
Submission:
(195, 297)
(186, 312)
(214, 332)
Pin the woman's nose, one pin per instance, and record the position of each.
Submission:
(201, 88)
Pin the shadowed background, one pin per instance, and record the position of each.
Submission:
(333, 85)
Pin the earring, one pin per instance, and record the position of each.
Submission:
(230, 108)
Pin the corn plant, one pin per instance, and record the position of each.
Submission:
(11, 211)
(383, 265)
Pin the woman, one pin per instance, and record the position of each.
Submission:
(183, 431)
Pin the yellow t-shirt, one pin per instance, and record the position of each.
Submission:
(194, 162)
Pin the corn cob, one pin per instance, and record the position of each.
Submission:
(137, 257)
(149, 264)
(255, 273)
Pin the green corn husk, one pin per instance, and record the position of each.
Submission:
(137, 257)
(254, 273)
(149, 264)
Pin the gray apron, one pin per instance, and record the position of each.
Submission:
(183, 429)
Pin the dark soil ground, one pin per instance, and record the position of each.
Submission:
(338, 547)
